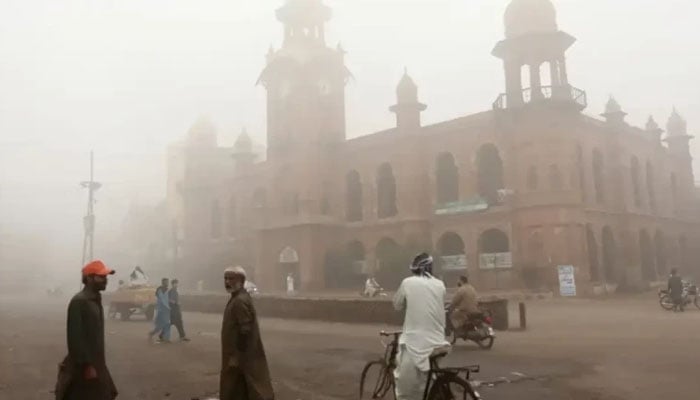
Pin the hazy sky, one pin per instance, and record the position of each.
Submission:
(127, 77)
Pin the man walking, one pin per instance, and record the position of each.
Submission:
(244, 371)
(162, 322)
(423, 298)
(175, 312)
(83, 374)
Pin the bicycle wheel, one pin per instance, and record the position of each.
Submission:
(452, 387)
(377, 381)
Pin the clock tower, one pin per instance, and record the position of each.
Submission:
(305, 82)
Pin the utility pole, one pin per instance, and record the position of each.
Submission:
(89, 219)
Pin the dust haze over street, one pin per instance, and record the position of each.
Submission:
(579, 349)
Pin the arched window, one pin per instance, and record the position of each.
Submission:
(660, 248)
(391, 263)
(609, 255)
(598, 183)
(532, 178)
(634, 177)
(446, 179)
(215, 220)
(494, 241)
(490, 172)
(555, 179)
(581, 172)
(647, 257)
(353, 196)
(450, 244)
(650, 187)
(592, 254)
(232, 217)
(386, 192)
(674, 194)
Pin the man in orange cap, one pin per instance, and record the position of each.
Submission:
(84, 374)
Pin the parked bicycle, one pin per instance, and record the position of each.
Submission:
(377, 380)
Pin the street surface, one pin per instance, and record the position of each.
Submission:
(574, 349)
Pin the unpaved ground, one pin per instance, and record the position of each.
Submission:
(579, 349)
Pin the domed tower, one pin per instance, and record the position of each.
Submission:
(677, 135)
(202, 133)
(613, 112)
(407, 107)
(533, 39)
(305, 82)
(243, 150)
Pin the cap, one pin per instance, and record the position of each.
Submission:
(238, 270)
(97, 267)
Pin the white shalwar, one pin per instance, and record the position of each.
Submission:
(423, 332)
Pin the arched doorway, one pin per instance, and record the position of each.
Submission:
(489, 167)
(609, 255)
(646, 256)
(453, 257)
(392, 266)
(288, 264)
(598, 182)
(446, 179)
(592, 247)
(660, 248)
(353, 196)
(494, 250)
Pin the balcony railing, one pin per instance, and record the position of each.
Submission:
(546, 94)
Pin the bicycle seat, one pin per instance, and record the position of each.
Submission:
(390, 333)
(440, 352)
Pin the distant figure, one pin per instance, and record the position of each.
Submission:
(372, 287)
(175, 312)
(464, 304)
(138, 277)
(675, 290)
(83, 374)
(162, 321)
(244, 371)
(290, 283)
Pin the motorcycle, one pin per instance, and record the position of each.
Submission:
(691, 294)
(479, 329)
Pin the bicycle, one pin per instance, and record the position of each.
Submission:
(443, 383)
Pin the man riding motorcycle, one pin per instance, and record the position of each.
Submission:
(372, 288)
(464, 304)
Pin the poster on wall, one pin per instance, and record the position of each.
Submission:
(567, 281)
(289, 256)
(495, 260)
(454, 263)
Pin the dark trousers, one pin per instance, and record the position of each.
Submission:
(176, 319)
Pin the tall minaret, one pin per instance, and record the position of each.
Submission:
(407, 107)
(305, 82)
(533, 40)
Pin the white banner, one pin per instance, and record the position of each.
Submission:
(567, 280)
(495, 260)
(454, 263)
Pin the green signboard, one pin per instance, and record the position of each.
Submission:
(475, 204)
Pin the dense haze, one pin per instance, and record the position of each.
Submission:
(128, 77)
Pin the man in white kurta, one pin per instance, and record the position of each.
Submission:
(423, 298)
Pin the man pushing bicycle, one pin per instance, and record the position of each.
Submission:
(423, 297)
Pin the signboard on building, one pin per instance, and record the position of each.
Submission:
(289, 256)
(462, 207)
(567, 280)
(454, 263)
(495, 260)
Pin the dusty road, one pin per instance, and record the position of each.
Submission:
(580, 349)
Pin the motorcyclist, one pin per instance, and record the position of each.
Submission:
(675, 290)
(372, 288)
(423, 298)
(464, 305)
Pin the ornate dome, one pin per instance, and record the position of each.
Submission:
(407, 90)
(530, 16)
(202, 133)
(676, 125)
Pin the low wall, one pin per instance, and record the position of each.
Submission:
(367, 311)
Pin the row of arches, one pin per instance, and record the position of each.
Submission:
(653, 252)
(490, 179)
(635, 178)
(392, 259)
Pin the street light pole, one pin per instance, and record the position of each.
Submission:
(89, 219)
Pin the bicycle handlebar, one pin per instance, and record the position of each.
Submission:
(391, 333)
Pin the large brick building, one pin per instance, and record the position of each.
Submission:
(507, 194)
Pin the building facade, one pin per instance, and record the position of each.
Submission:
(506, 195)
